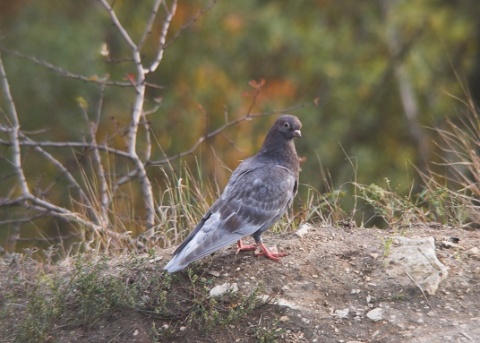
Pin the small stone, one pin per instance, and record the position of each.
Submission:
(214, 273)
(156, 259)
(285, 303)
(305, 320)
(183, 328)
(376, 314)
(222, 289)
(473, 252)
(136, 332)
(340, 314)
(303, 230)
(284, 319)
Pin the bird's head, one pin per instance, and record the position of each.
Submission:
(289, 126)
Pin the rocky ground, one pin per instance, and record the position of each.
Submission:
(336, 285)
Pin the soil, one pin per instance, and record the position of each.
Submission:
(323, 291)
(332, 270)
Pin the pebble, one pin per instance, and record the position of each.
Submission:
(340, 314)
(214, 273)
(473, 252)
(303, 230)
(221, 289)
(376, 314)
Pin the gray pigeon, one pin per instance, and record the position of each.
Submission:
(258, 193)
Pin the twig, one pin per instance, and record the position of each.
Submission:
(419, 287)
(137, 111)
(47, 144)
(149, 25)
(69, 177)
(163, 36)
(190, 23)
(117, 23)
(14, 132)
(68, 74)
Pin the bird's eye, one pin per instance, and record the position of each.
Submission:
(286, 125)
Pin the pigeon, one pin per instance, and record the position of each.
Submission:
(258, 193)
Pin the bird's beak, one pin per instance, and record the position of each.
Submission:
(297, 133)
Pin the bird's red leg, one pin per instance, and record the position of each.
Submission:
(268, 254)
(242, 247)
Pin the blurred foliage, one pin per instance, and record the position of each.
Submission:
(332, 56)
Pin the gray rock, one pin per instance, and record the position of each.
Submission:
(222, 289)
(414, 259)
(340, 314)
(376, 314)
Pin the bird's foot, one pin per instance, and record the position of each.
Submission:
(243, 247)
(268, 254)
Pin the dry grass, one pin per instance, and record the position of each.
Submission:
(452, 186)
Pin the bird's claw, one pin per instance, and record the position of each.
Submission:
(275, 256)
(242, 247)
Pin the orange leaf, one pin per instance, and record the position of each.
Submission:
(257, 84)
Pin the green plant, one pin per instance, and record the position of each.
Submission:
(395, 210)
(269, 333)
(43, 308)
(387, 245)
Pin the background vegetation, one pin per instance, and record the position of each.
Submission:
(368, 80)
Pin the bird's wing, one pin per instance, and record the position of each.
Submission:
(255, 197)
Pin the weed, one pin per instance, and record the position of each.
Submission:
(387, 245)
(399, 296)
(269, 333)
(452, 191)
(43, 308)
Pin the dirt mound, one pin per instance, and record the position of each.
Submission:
(333, 282)
(332, 287)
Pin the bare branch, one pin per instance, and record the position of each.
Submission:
(163, 36)
(14, 132)
(117, 23)
(190, 23)
(66, 173)
(45, 207)
(68, 74)
(48, 144)
(137, 112)
(151, 20)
